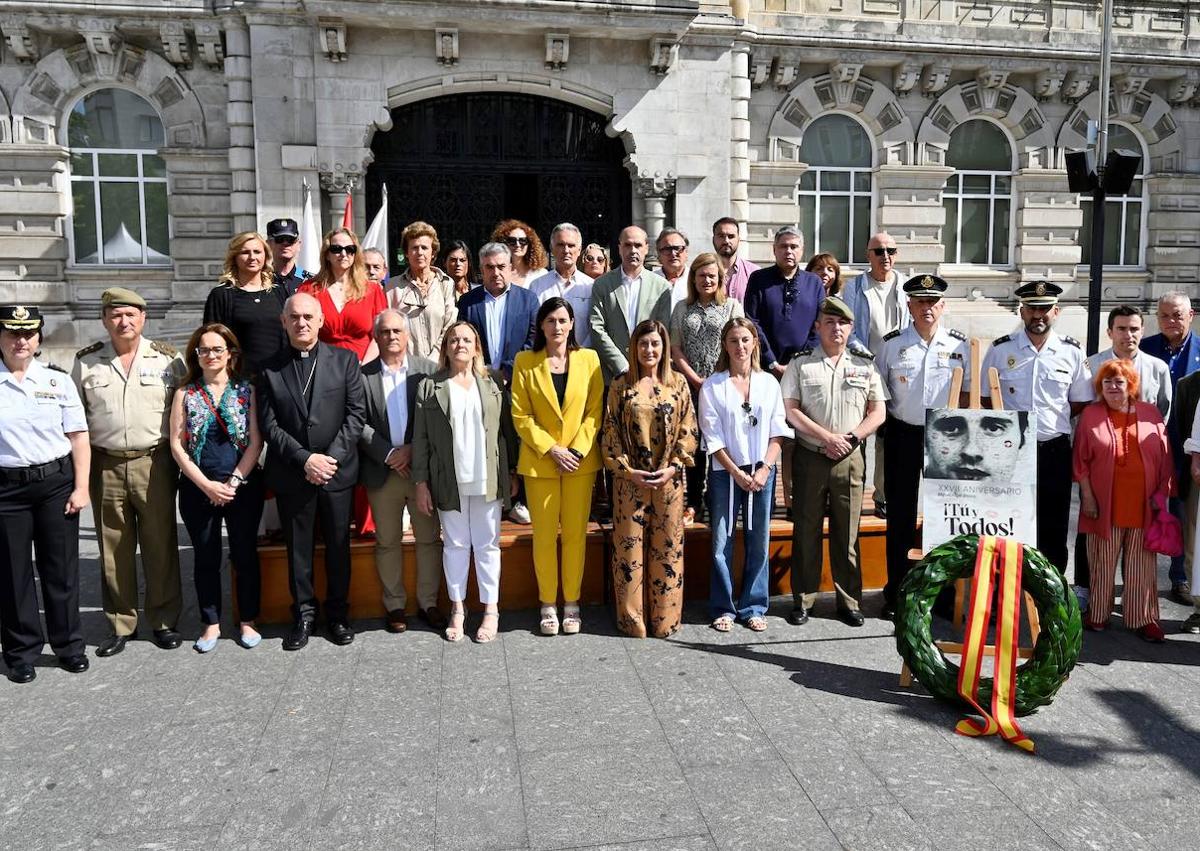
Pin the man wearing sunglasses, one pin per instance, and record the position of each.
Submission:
(875, 297)
(284, 236)
(672, 249)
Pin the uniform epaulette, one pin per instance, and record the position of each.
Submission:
(1000, 340)
(893, 334)
(1071, 341)
(956, 334)
(87, 350)
(862, 352)
(805, 352)
(54, 367)
(164, 348)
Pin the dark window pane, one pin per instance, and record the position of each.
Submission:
(834, 235)
(808, 215)
(862, 230)
(1000, 234)
(1003, 185)
(835, 181)
(836, 140)
(862, 181)
(153, 166)
(1112, 234)
(120, 216)
(83, 198)
(156, 222)
(973, 231)
(118, 165)
(977, 184)
(979, 146)
(114, 118)
(1133, 234)
(950, 231)
(808, 181)
(81, 165)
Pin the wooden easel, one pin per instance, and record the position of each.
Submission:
(960, 585)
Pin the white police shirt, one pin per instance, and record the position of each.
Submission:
(36, 415)
(1043, 382)
(917, 374)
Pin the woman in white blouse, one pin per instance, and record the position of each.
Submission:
(462, 442)
(743, 423)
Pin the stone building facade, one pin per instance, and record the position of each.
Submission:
(136, 138)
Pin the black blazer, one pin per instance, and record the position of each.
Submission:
(1183, 415)
(376, 440)
(331, 425)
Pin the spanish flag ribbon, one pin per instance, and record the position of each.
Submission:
(1002, 558)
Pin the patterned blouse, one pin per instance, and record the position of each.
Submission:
(428, 315)
(649, 432)
(234, 408)
(696, 328)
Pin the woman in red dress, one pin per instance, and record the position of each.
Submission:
(350, 302)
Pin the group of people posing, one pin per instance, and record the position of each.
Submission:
(451, 402)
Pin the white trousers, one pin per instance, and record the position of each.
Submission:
(476, 527)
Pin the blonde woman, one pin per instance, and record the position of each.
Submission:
(349, 300)
(247, 301)
(649, 438)
(529, 258)
(595, 261)
(462, 443)
(423, 292)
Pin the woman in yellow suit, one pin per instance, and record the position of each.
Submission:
(557, 393)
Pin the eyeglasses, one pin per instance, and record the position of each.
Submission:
(1114, 382)
(284, 240)
(750, 418)
(672, 249)
(211, 351)
(349, 250)
(889, 251)
(516, 240)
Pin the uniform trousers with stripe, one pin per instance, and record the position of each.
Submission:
(32, 522)
(1139, 571)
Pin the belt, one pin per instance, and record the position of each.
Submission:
(128, 454)
(36, 473)
(1055, 439)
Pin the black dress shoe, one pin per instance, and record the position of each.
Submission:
(113, 645)
(299, 635)
(76, 664)
(340, 633)
(21, 673)
(888, 613)
(434, 618)
(851, 617)
(167, 639)
(798, 616)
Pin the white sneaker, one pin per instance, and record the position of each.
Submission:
(1082, 595)
(519, 514)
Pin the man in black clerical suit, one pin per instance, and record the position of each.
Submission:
(312, 408)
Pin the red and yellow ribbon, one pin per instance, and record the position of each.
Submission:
(1000, 557)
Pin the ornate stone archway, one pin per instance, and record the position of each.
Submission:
(1145, 111)
(987, 96)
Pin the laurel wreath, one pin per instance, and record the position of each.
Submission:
(1054, 653)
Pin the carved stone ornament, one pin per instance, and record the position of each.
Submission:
(654, 185)
(333, 38)
(663, 53)
(558, 49)
(760, 70)
(1049, 82)
(445, 45)
(991, 78)
(786, 72)
(935, 78)
(338, 179)
(19, 38)
(845, 72)
(906, 75)
(208, 44)
(99, 35)
(1077, 84)
(175, 43)
(1181, 89)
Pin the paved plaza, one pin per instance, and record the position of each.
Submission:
(796, 738)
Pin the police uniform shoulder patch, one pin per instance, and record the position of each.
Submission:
(1071, 341)
(87, 350)
(958, 335)
(164, 348)
(805, 352)
(862, 352)
(1000, 340)
(891, 335)
(54, 367)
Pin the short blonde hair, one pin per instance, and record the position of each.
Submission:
(477, 364)
(418, 229)
(229, 274)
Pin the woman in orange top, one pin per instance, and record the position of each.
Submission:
(348, 299)
(1122, 461)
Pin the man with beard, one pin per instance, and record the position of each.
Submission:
(726, 240)
(1046, 374)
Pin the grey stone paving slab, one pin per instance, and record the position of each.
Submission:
(187, 839)
(605, 795)
(877, 827)
(673, 843)
(479, 796)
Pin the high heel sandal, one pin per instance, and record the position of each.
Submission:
(486, 631)
(571, 622)
(549, 623)
(454, 632)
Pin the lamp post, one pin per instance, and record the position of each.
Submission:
(1098, 194)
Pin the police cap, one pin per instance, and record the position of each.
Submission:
(1038, 294)
(925, 286)
(282, 227)
(20, 317)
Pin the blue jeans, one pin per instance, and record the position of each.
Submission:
(722, 514)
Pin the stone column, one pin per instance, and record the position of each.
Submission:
(243, 197)
(654, 192)
(339, 185)
(739, 126)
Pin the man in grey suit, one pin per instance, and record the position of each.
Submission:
(624, 297)
(385, 470)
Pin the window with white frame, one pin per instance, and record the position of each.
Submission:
(834, 195)
(978, 196)
(1124, 215)
(118, 181)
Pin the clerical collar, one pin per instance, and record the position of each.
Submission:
(302, 353)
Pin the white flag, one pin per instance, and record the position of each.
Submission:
(310, 238)
(377, 233)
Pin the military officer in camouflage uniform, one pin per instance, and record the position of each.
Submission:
(126, 385)
(834, 400)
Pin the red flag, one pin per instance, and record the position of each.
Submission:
(348, 213)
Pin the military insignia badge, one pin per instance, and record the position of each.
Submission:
(20, 312)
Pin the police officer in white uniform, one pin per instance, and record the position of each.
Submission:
(1046, 374)
(917, 363)
(44, 460)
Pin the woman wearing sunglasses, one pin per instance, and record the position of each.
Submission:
(743, 425)
(529, 258)
(215, 441)
(349, 300)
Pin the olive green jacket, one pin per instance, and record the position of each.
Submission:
(433, 440)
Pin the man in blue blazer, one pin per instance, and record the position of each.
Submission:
(1180, 349)
(501, 313)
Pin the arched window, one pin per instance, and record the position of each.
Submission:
(1124, 215)
(835, 193)
(978, 196)
(118, 181)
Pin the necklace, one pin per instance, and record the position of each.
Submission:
(311, 372)
(1123, 455)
